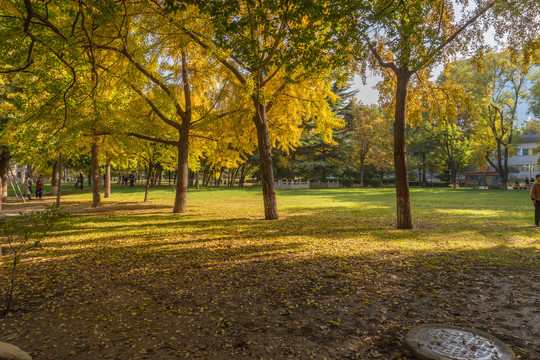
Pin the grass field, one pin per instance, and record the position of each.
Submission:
(331, 279)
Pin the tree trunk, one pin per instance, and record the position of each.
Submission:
(96, 197)
(218, 182)
(242, 176)
(5, 156)
(362, 173)
(197, 180)
(59, 183)
(30, 171)
(108, 179)
(191, 178)
(234, 175)
(209, 176)
(506, 171)
(502, 165)
(424, 177)
(404, 217)
(453, 174)
(292, 173)
(55, 179)
(148, 180)
(159, 175)
(267, 171)
(182, 173)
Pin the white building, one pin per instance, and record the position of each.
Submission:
(526, 158)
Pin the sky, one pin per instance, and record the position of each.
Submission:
(367, 93)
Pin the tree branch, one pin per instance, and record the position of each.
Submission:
(162, 116)
(29, 60)
(146, 73)
(151, 138)
(225, 63)
(387, 65)
(462, 28)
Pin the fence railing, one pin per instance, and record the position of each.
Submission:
(291, 184)
(282, 184)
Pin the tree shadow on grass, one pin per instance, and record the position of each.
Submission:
(370, 231)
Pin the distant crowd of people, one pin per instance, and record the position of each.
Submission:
(525, 185)
(27, 190)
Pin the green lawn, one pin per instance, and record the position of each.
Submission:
(331, 279)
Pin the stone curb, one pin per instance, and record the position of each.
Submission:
(11, 352)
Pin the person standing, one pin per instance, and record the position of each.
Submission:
(39, 187)
(26, 188)
(81, 179)
(535, 197)
(30, 185)
(526, 181)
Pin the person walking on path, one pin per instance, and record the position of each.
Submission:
(39, 187)
(26, 188)
(535, 197)
(30, 184)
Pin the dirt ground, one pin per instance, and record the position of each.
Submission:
(133, 304)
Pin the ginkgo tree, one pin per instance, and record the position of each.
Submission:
(371, 137)
(178, 82)
(271, 48)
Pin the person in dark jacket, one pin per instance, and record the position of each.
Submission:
(39, 187)
(535, 197)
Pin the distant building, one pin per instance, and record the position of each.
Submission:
(526, 158)
(17, 173)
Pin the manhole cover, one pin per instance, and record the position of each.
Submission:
(443, 342)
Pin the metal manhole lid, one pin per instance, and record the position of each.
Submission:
(445, 342)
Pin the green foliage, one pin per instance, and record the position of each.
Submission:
(268, 34)
(375, 182)
(495, 90)
(534, 96)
